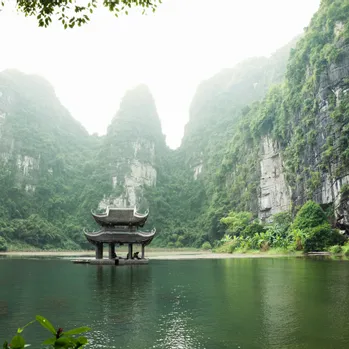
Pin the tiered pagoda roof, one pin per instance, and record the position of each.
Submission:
(121, 217)
(119, 226)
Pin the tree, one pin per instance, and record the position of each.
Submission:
(310, 215)
(237, 222)
(72, 12)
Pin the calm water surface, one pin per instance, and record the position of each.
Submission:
(214, 304)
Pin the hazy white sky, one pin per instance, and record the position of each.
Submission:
(172, 51)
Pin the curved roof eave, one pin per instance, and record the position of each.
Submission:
(135, 213)
(120, 237)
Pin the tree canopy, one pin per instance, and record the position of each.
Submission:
(76, 12)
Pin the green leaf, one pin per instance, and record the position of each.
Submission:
(63, 342)
(17, 342)
(80, 342)
(5, 345)
(76, 331)
(49, 341)
(46, 324)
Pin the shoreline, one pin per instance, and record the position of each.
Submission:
(152, 255)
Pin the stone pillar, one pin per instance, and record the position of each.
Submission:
(99, 250)
(130, 251)
(112, 254)
(142, 254)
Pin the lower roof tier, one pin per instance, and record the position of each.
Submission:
(118, 237)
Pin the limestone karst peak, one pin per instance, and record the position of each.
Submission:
(137, 115)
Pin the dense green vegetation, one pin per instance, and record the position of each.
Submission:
(53, 173)
(304, 116)
(310, 231)
(216, 110)
(45, 157)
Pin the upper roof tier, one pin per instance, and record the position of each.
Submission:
(121, 216)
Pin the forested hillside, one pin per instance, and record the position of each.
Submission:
(302, 122)
(263, 137)
(43, 152)
(291, 147)
(215, 112)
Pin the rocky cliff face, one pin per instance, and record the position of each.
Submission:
(292, 145)
(331, 91)
(309, 119)
(220, 104)
(275, 196)
(34, 126)
(216, 106)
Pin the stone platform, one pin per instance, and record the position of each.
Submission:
(117, 262)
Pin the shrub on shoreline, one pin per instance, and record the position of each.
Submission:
(309, 232)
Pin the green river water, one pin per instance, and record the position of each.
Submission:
(183, 304)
